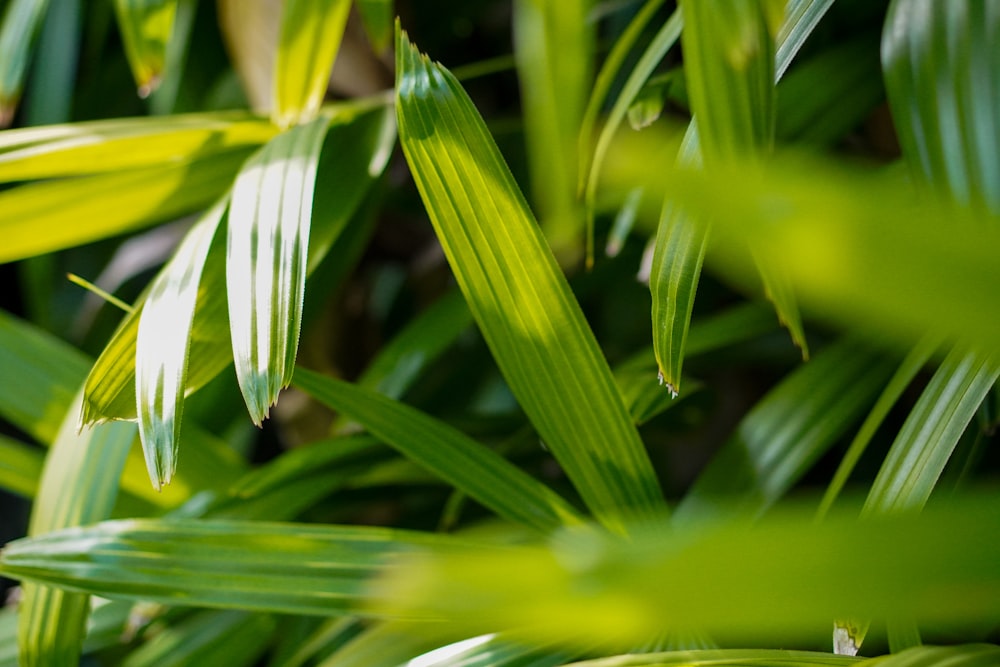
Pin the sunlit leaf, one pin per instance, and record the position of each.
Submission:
(268, 243)
(517, 294)
(21, 23)
(310, 36)
(146, 26)
(162, 345)
(456, 458)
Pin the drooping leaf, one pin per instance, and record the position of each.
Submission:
(162, 344)
(146, 26)
(461, 461)
(310, 36)
(270, 215)
(518, 295)
(21, 22)
(79, 485)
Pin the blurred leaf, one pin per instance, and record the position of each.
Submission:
(75, 211)
(8, 637)
(376, 15)
(146, 26)
(801, 17)
(231, 638)
(940, 62)
(357, 147)
(392, 643)
(162, 343)
(725, 658)
(930, 433)
(250, 29)
(249, 565)
(461, 461)
(270, 215)
(310, 36)
(517, 294)
(20, 467)
(100, 146)
(21, 23)
(553, 48)
(789, 430)
(50, 85)
(79, 485)
(776, 579)
(164, 99)
(970, 655)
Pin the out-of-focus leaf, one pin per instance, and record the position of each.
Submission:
(250, 29)
(725, 658)
(75, 211)
(51, 82)
(20, 467)
(932, 430)
(517, 294)
(146, 26)
(162, 345)
(940, 61)
(163, 100)
(356, 150)
(789, 430)
(392, 643)
(777, 578)
(553, 49)
(270, 215)
(248, 565)
(231, 638)
(310, 36)
(123, 144)
(801, 17)
(8, 637)
(461, 461)
(376, 15)
(21, 22)
(970, 655)
(623, 223)
(79, 485)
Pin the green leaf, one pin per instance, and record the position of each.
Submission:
(930, 433)
(270, 214)
(146, 26)
(970, 655)
(21, 23)
(775, 579)
(461, 461)
(726, 658)
(376, 15)
(20, 467)
(75, 211)
(310, 36)
(231, 638)
(79, 486)
(801, 17)
(102, 146)
(553, 49)
(162, 343)
(248, 565)
(939, 61)
(790, 429)
(517, 294)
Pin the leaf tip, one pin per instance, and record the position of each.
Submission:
(671, 386)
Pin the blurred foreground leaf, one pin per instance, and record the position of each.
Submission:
(146, 26)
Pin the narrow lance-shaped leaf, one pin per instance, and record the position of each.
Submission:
(146, 26)
(517, 294)
(21, 23)
(311, 31)
(269, 221)
(161, 350)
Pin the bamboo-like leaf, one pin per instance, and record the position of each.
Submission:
(357, 149)
(931, 431)
(162, 344)
(778, 578)
(310, 36)
(940, 62)
(20, 467)
(553, 49)
(21, 23)
(146, 26)
(268, 243)
(376, 15)
(801, 17)
(461, 461)
(789, 429)
(249, 565)
(518, 295)
(231, 638)
(75, 211)
(79, 486)
(102, 146)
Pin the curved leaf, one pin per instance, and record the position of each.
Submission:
(517, 294)
(21, 23)
(146, 26)
(266, 255)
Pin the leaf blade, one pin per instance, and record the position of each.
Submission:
(146, 27)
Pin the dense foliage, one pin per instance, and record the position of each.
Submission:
(500, 333)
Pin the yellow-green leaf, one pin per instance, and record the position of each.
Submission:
(146, 26)
(21, 23)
